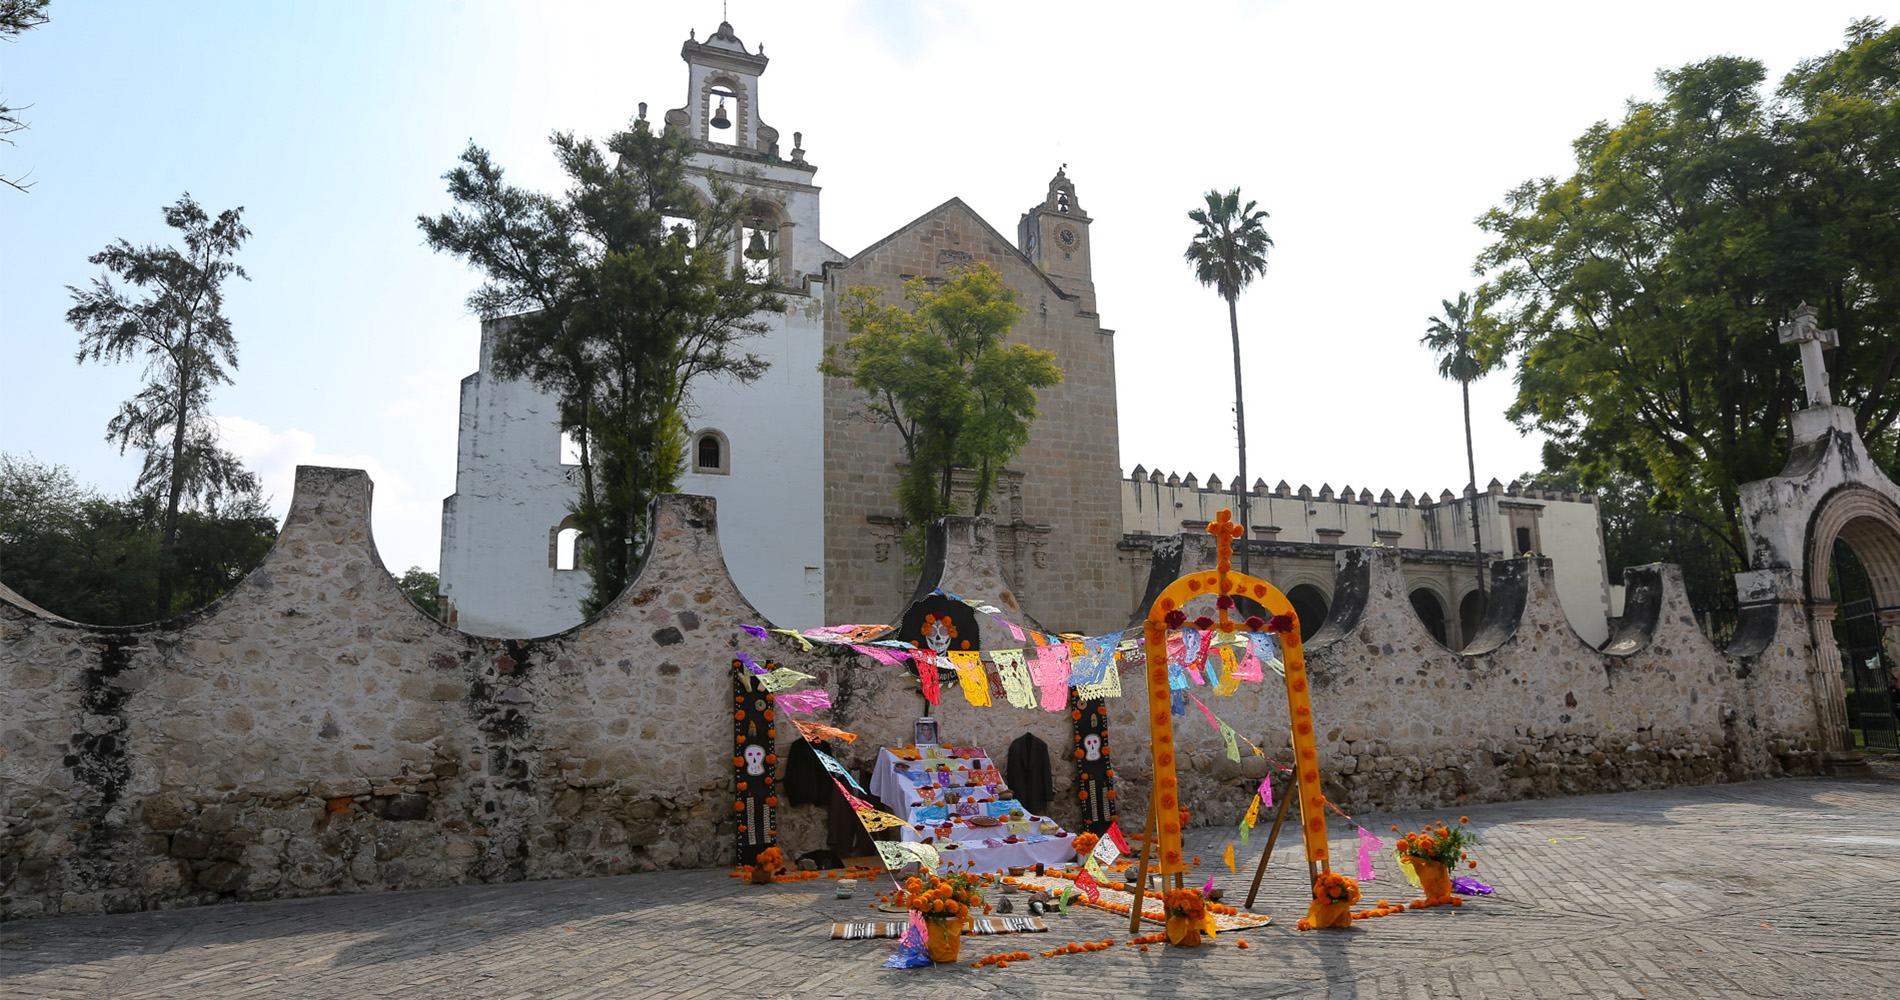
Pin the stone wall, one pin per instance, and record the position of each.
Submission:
(312, 732)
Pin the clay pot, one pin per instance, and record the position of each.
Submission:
(1432, 878)
(943, 939)
(760, 875)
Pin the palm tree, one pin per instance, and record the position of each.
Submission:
(1227, 254)
(1450, 337)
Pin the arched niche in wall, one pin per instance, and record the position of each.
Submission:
(1430, 608)
(1310, 605)
(1470, 616)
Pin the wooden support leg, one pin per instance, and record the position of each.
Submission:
(1266, 855)
(1141, 871)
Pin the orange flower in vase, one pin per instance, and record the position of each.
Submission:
(768, 864)
(1333, 897)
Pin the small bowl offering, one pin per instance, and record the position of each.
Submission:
(847, 887)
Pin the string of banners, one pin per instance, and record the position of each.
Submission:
(1040, 673)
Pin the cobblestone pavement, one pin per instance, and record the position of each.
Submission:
(1769, 889)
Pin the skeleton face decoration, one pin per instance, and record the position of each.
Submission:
(1092, 747)
(755, 760)
(937, 635)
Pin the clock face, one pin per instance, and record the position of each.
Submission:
(1066, 238)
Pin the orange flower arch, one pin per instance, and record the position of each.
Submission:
(1166, 788)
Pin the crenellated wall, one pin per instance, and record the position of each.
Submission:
(313, 732)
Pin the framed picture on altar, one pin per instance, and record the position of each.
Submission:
(925, 733)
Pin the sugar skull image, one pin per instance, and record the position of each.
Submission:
(938, 632)
(754, 760)
(1092, 747)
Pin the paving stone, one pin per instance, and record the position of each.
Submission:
(1785, 888)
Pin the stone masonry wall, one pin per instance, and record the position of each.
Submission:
(312, 732)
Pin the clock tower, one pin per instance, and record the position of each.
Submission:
(1055, 236)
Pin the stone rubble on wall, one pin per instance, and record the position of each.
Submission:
(312, 732)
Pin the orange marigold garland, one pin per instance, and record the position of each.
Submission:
(1094, 768)
(755, 765)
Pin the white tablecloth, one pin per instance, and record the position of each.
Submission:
(979, 848)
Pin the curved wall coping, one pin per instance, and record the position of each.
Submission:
(331, 508)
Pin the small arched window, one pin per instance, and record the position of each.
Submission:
(711, 453)
(567, 542)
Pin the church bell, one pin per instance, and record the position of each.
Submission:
(719, 119)
(755, 249)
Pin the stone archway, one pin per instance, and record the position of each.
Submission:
(1868, 522)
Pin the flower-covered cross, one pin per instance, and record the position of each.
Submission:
(1224, 531)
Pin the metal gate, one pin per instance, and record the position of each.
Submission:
(1864, 665)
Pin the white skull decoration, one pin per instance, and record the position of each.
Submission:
(755, 760)
(1092, 746)
(938, 635)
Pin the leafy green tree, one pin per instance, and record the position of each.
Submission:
(621, 294)
(941, 374)
(1449, 336)
(181, 333)
(421, 586)
(78, 554)
(1642, 292)
(1228, 252)
(17, 16)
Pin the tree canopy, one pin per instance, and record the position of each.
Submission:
(941, 374)
(95, 559)
(17, 16)
(621, 294)
(1640, 295)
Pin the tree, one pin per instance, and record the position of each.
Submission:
(179, 329)
(421, 586)
(620, 295)
(1228, 252)
(941, 375)
(1449, 336)
(84, 556)
(17, 16)
(1642, 292)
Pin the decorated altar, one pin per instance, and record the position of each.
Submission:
(955, 799)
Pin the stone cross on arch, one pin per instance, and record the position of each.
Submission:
(1813, 369)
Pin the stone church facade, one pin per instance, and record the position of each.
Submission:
(805, 482)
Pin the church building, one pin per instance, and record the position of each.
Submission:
(805, 482)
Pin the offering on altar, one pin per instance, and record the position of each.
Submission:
(991, 833)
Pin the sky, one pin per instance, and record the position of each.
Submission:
(1373, 133)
